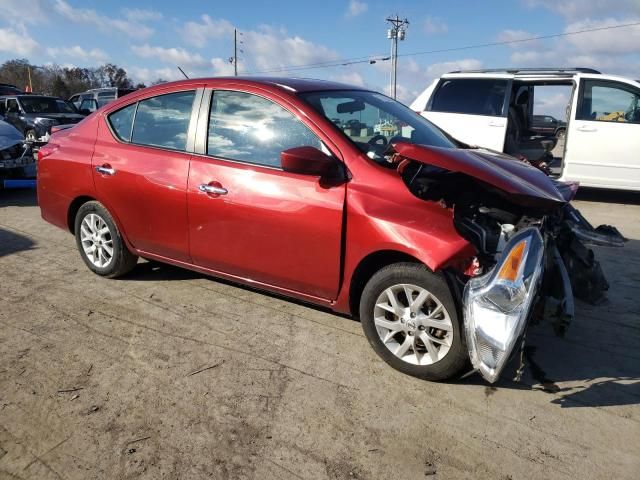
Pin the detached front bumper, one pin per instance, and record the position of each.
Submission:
(497, 305)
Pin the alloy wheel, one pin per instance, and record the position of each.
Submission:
(96, 239)
(413, 324)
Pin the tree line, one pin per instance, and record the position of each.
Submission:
(64, 81)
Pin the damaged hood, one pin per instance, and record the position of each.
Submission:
(522, 182)
(9, 136)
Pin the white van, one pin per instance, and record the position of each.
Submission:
(494, 109)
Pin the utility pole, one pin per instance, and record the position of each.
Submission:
(234, 59)
(397, 31)
(235, 52)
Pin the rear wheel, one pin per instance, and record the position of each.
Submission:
(100, 243)
(410, 319)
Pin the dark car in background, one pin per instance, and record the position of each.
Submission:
(34, 115)
(8, 89)
(16, 160)
(547, 125)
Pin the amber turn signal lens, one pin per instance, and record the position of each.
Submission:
(511, 266)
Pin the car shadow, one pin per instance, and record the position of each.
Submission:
(601, 195)
(12, 242)
(26, 197)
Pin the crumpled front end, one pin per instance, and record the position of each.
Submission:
(533, 252)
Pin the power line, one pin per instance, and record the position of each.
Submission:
(380, 58)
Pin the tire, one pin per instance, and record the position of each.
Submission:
(561, 133)
(30, 135)
(446, 356)
(111, 265)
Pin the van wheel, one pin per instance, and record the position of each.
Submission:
(410, 319)
(561, 133)
(100, 243)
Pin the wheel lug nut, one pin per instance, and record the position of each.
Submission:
(402, 320)
(413, 315)
(421, 327)
(411, 334)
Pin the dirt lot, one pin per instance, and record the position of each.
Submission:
(169, 374)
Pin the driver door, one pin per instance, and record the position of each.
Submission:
(603, 140)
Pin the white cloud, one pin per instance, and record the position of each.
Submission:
(519, 38)
(142, 15)
(178, 56)
(435, 26)
(435, 70)
(17, 42)
(150, 75)
(614, 41)
(88, 16)
(274, 49)
(356, 8)
(199, 33)
(24, 11)
(77, 51)
(221, 67)
(581, 9)
(350, 78)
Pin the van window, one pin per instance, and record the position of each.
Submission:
(475, 96)
(252, 129)
(106, 97)
(163, 121)
(609, 102)
(121, 121)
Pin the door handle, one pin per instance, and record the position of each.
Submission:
(585, 128)
(213, 189)
(494, 123)
(105, 170)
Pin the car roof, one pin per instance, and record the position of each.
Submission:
(290, 84)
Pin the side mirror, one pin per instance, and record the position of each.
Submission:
(306, 160)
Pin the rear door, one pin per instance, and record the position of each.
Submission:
(264, 225)
(603, 141)
(472, 110)
(141, 165)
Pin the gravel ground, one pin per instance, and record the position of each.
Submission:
(169, 374)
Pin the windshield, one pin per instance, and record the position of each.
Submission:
(46, 105)
(372, 121)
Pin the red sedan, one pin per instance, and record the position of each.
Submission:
(335, 195)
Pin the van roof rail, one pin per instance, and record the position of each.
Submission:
(531, 70)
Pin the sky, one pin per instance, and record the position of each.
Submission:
(150, 38)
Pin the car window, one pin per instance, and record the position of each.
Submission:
(89, 104)
(12, 106)
(2, 106)
(609, 102)
(253, 129)
(372, 121)
(470, 95)
(121, 121)
(163, 121)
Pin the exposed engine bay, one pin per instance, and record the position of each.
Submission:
(533, 252)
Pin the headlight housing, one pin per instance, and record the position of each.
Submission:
(46, 122)
(497, 305)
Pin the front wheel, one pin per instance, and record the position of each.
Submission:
(30, 136)
(100, 243)
(410, 319)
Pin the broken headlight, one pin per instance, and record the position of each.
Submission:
(496, 305)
